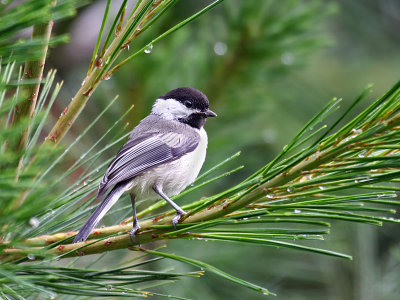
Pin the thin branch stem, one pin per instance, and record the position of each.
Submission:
(163, 35)
(142, 14)
(91, 82)
(33, 70)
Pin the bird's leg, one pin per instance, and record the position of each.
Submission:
(179, 211)
(135, 221)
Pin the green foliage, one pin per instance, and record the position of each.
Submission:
(16, 18)
(49, 281)
(306, 183)
(340, 172)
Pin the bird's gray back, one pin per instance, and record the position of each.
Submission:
(155, 124)
(153, 142)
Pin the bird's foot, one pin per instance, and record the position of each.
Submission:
(132, 233)
(177, 218)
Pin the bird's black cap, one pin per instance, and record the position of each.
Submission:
(183, 94)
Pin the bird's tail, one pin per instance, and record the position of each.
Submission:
(100, 211)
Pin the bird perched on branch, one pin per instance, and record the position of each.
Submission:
(164, 154)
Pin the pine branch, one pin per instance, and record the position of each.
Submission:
(291, 186)
(33, 70)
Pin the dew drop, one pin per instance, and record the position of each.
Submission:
(107, 76)
(245, 219)
(34, 222)
(52, 296)
(31, 256)
(269, 136)
(85, 183)
(220, 48)
(356, 132)
(356, 181)
(297, 211)
(148, 49)
(99, 62)
(362, 154)
(258, 217)
(290, 189)
(287, 58)
(270, 196)
(321, 187)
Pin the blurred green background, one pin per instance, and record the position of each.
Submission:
(267, 67)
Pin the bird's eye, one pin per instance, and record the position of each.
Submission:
(188, 104)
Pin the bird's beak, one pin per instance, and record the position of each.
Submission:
(210, 113)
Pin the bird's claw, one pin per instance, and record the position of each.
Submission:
(177, 218)
(132, 233)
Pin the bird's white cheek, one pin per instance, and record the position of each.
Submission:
(170, 109)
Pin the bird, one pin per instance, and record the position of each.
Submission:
(163, 155)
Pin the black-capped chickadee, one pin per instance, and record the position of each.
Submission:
(163, 155)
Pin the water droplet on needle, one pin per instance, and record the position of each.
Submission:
(148, 49)
(290, 189)
(34, 222)
(107, 76)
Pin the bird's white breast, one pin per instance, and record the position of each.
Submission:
(172, 177)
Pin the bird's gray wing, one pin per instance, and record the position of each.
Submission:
(145, 152)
